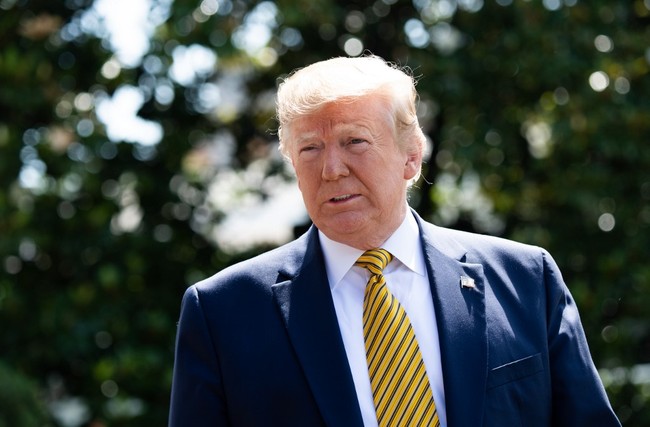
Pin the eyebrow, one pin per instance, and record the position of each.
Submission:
(307, 138)
(341, 126)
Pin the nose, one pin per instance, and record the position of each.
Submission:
(334, 164)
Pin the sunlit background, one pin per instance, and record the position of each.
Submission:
(125, 28)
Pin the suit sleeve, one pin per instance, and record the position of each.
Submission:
(197, 397)
(579, 398)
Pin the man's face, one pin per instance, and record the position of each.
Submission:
(350, 171)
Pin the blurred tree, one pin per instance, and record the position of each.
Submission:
(19, 400)
(124, 165)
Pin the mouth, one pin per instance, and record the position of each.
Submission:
(342, 198)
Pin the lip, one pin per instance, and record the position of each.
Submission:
(342, 198)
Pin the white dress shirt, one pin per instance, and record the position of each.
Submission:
(407, 280)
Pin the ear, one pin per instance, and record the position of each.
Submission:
(413, 163)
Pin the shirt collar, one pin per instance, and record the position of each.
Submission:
(404, 244)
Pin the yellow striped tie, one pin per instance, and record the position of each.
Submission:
(399, 381)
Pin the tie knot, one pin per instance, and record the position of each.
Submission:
(374, 260)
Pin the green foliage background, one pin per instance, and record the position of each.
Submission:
(539, 113)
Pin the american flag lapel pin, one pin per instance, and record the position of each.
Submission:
(467, 282)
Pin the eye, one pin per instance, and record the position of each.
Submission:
(308, 149)
(357, 145)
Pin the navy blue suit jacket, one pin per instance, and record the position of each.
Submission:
(258, 343)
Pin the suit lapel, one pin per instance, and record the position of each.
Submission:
(460, 315)
(305, 303)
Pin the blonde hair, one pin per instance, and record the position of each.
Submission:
(346, 79)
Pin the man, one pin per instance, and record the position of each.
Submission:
(487, 332)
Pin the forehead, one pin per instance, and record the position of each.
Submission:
(368, 113)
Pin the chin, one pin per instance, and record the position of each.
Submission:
(343, 228)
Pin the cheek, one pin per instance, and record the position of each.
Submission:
(305, 183)
(301, 184)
